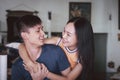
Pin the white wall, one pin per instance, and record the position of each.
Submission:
(100, 12)
(59, 9)
(113, 43)
(3, 68)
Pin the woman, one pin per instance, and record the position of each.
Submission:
(77, 42)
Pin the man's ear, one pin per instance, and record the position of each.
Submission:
(24, 35)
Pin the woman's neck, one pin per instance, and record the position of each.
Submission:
(71, 49)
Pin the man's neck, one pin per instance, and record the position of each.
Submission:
(33, 51)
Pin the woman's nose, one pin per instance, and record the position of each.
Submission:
(64, 35)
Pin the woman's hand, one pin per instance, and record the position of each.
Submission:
(32, 66)
(41, 71)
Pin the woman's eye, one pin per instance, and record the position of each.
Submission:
(68, 34)
(37, 31)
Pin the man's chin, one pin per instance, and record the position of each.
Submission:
(42, 44)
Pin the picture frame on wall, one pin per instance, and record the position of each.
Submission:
(119, 14)
(118, 36)
(77, 9)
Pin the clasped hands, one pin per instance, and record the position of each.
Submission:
(37, 70)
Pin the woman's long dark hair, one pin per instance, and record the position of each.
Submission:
(85, 44)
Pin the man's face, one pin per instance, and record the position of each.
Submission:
(35, 35)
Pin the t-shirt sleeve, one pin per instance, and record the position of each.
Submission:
(63, 62)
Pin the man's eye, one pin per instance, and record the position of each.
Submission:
(42, 28)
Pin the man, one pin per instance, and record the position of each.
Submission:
(51, 56)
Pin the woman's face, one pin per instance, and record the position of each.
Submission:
(69, 36)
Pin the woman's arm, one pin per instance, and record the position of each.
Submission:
(40, 74)
(24, 54)
(52, 40)
(76, 71)
(64, 73)
(27, 61)
(72, 75)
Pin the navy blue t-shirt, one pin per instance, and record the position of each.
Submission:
(53, 57)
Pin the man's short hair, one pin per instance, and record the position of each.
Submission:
(28, 21)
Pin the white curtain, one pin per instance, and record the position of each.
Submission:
(3, 67)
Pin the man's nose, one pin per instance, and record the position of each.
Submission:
(42, 33)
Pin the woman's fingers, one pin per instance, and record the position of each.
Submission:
(41, 72)
(44, 69)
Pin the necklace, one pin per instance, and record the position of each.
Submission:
(71, 51)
